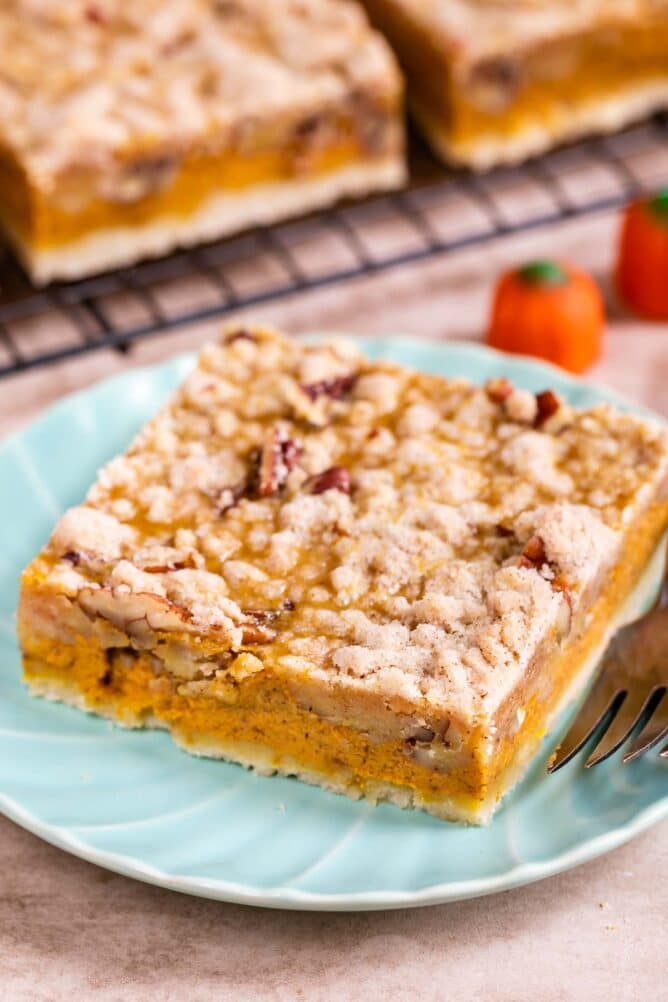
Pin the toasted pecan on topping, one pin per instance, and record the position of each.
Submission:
(262, 615)
(256, 628)
(255, 633)
(498, 389)
(503, 531)
(229, 497)
(533, 554)
(139, 614)
(172, 565)
(336, 478)
(336, 387)
(291, 451)
(239, 335)
(277, 457)
(95, 14)
(548, 404)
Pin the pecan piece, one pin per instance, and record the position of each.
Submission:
(533, 554)
(139, 614)
(336, 387)
(94, 14)
(254, 633)
(229, 497)
(548, 404)
(277, 457)
(239, 335)
(498, 389)
(336, 478)
(256, 629)
(262, 615)
(503, 531)
(172, 565)
(290, 453)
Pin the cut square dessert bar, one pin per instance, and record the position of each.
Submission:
(384, 582)
(492, 81)
(127, 129)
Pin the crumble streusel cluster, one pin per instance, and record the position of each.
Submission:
(417, 535)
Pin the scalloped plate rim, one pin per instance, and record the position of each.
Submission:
(285, 896)
(293, 899)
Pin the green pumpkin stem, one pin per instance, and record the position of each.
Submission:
(658, 206)
(543, 273)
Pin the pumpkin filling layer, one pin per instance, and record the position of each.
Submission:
(381, 581)
(172, 191)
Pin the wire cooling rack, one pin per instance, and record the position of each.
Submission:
(439, 212)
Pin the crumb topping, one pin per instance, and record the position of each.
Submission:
(416, 536)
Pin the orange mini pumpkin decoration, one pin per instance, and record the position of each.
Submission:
(551, 310)
(642, 263)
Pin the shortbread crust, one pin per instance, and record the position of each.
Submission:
(170, 123)
(382, 581)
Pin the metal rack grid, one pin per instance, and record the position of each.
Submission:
(439, 212)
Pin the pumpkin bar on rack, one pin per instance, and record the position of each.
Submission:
(381, 581)
(128, 129)
(493, 81)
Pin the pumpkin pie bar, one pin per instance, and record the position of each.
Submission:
(494, 81)
(383, 582)
(127, 129)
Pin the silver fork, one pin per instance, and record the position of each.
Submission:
(629, 698)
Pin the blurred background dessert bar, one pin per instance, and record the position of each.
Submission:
(496, 81)
(127, 129)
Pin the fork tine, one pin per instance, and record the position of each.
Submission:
(592, 720)
(655, 727)
(634, 712)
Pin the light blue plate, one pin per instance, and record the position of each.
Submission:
(135, 803)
